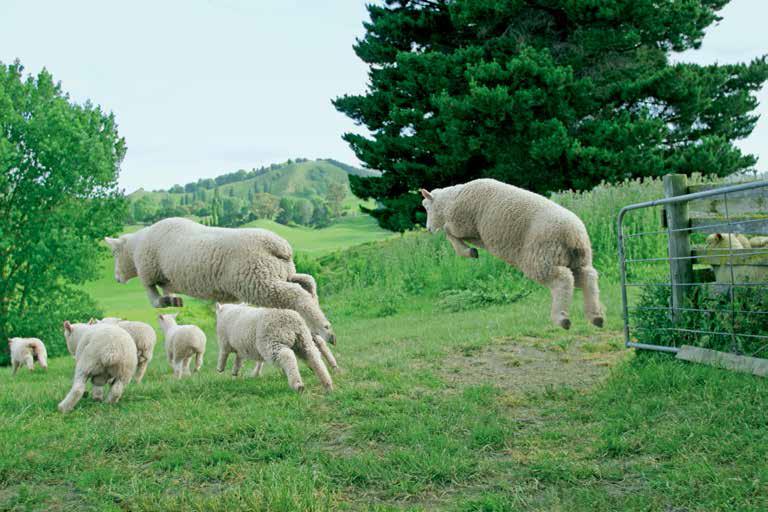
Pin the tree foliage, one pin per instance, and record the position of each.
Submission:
(543, 94)
(59, 163)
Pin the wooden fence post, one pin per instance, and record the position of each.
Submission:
(681, 270)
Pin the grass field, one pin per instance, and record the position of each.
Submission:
(436, 408)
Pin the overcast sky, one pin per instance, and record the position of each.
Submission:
(205, 87)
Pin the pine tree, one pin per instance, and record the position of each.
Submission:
(543, 94)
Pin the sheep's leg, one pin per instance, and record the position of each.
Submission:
(170, 299)
(198, 361)
(141, 368)
(222, 361)
(116, 391)
(97, 393)
(325, 351)
(29, 361)
(76, 393)
(315, 361)
(306, 281)
(237, 365)
(286, 359)
(461, 248)
(257, 369)
(185, 365)
(16, 365)
(177, 368)
(560, 282)
(586, 279)
(154, 296)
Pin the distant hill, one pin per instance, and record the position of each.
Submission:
(312, 180)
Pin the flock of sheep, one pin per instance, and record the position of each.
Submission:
(266, 311)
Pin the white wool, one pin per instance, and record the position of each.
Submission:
(24, 351)
(143, 336)
(182, 343)
(265, 334)
(226, 265)
(104, 354)
(547, 242)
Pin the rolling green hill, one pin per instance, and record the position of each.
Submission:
(306, 179)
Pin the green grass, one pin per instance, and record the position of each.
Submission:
(437, 408)
(346, 232)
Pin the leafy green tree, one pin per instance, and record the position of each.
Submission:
(335, 196)
(265, 206)
(303, 211)
(543, 94)
(287, 207)
(59, 163)
(321, 216)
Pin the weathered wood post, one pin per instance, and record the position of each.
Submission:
(680, 270)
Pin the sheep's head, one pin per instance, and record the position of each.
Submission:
(435, 214)
(167, 320)
(124, 266)
(71, 337)
(309, 309)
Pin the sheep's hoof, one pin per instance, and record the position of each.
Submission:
(473, 253)
(300, 388)
(169, 301)
(597, 321)
(565, 323)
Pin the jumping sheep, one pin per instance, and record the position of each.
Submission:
(24, 351)
(548, 243)
(226, 265)
(264, 334)
(105, 354)
(144, 337)
(727, 241)
(182, 342)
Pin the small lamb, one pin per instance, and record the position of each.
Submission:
(264, 334)
(182, 342)
(548, 243)
(24, 351)
(144, 337)
(758, 241)
(105, 354)
(727, 241)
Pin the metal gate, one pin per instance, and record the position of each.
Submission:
(697, 294)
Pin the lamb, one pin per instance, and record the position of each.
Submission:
(727, 241)
(264, 334)
(225, 265)
(105, 354)
(144, 337)
(548, 243)
(24, 351)
(182, 342)
(758, 241)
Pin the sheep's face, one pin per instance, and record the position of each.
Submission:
(435, 217)
(316, 321)
(124, 267)
(70, 337)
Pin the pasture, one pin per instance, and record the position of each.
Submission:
(455, 394)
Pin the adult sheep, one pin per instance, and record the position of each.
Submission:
(548, 243)
(225, 265)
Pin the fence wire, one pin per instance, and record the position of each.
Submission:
(661, 312)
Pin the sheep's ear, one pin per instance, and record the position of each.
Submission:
(425, 193)
(112, 242)
(160, 317)
(67, 326)
(718, 236)
(91, 321)
(218, 307)
(173, 315)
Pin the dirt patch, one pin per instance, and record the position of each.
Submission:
(525, 365)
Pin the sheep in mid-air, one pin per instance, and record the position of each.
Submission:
(24, 351)
(265, 334)
(547, 242)
(104, 354)
(226, 265)
(144, 337)
(182, 343)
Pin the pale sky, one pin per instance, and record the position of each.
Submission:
(200, 88)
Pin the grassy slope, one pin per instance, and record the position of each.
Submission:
(399, 432)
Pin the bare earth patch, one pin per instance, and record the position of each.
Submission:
(525, 364)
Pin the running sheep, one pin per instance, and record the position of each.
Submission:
(548, 243)
(264, 334)
(24, 351)
(226, 265)
(182, 343)
(104, 354)
(144, 337)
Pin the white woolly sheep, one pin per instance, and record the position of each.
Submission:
(104, 354)
(758, 241)
(226, 265)
(182, 343)
(548, 243)
(144, 337)
(727, 241)
(265, 334)
(24, 351)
